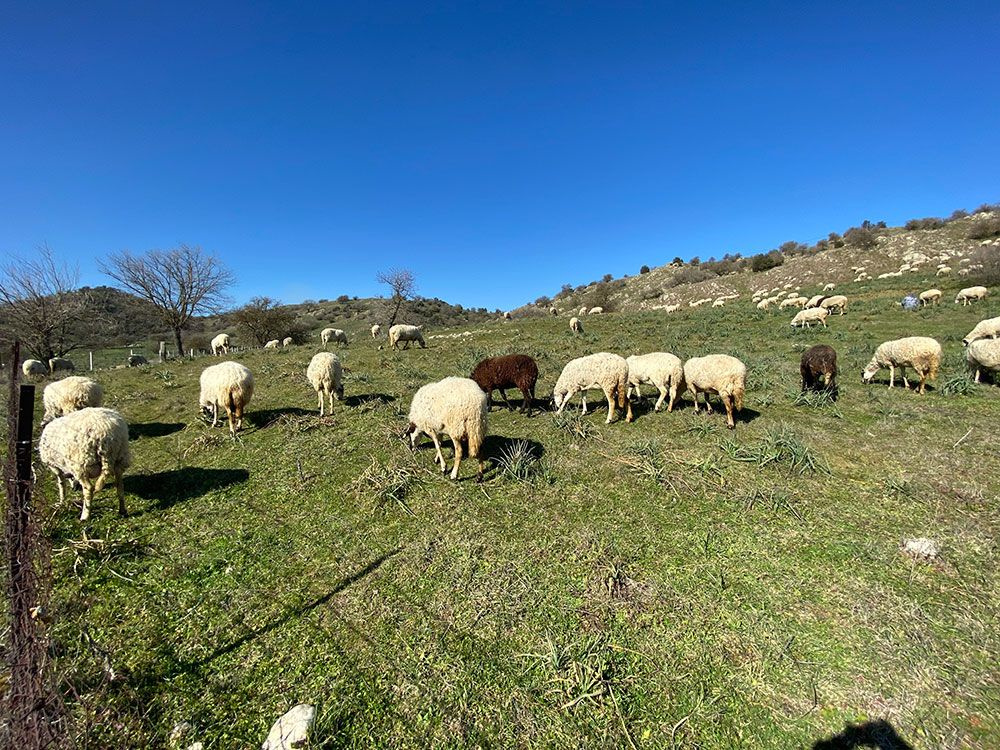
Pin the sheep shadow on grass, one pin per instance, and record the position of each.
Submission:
(879, 735)
(368, 398)
(267, 417)
(511, 454)
(153, 429)
(168, 488)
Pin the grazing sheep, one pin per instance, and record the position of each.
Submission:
(325, 374)
(985, 329)
(220, 344)
(943, 271)
(789, 302)
(983, 354)
(90, 446)
(819, 362)
(672, 308)
(815, 301)
(287, 341)
(553, 311)
(921, 353)
(719, 303)
(228, 385)
(660, 369)
(836, 302)
(137, 360)
(376, 331)
(34, 368)
(764, 304)
(510, 371)
(810, 315)
(971, 294)
(595, 311)
(70, 394)
(406, 334)
(930, 297)
(456, 407)
(575, 325)
(333, 334)
(508, 316)
(609, 372)
(60, 364)
(583, 311)
(828, 288)
(720, 374)
(272, 344)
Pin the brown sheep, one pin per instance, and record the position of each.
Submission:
(510, 371)
(819, 361)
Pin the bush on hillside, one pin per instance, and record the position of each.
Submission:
(863, 237)
(644, 269)
(931, 222)
(985, 228)
(766, 261)
(958, 213)
(690, 275)
(985, 266)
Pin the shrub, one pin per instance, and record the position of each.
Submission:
(690, 275)
(644, 269)
(986, 265)
(606, 278)
(985, 228)
(862, 237)
(931, 222)
(987, 208)
(543, 301)
(958, 213)
(835, 239)
(677, 261)
(343, 298)
(764, 261)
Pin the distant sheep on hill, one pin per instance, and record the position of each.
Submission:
(508, 316)
(660, 369)
(287, 341)
(815, 301)
(326, 377)
(272, 344)
(510, 371)
(229, 386)
(553, 311)
(921, 353)
(810, 315)
(376, 331)
(943, 271)
(220, 344)
(838, 302)
(983, 354)
(34, 368)
(575, 325)
(818, 368)
(829, 288)
(930, 297)
(333, 334)
(90, 446)
(455, 407)
(606, 371)
(971, 294)
(720, 374)
(595, 311)
(70, 394)
(60, 364)
(583, 311)
(406, 334)
(985, 329)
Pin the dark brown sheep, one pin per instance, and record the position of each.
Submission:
(820, 360)
(510, 371)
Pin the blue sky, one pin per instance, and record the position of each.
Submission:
(499, 150)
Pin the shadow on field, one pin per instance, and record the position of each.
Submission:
(267, 417)
(167, 488)
(153, 429)
(497, 446)
(367, 398)
(875, 734)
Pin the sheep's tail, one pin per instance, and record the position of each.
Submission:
(935, 364)
(621, 387)
(475, 432)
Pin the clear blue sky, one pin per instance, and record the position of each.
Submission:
(499, 150)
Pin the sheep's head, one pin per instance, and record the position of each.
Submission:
(339, 392)
(559, 397)
(869, 372)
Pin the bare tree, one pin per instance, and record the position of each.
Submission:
(181, 283)
(263, 319)
(403, 285)
(40, 304)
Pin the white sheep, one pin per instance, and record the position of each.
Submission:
(971, 294)
(456, 407)
(606, 371)
(220, 344)
(326, 377)
(595, 311)
(810, 315)
(376, 331)
(70, 394)
(720, 374)
(553, 311)
(60, 364)
(672, 308)
(336, 335)
(508, 316)
(792, 295)
(34, 368)
(930, 297)
(575, 325)
(406, 334)
(660, 369)
(921, 353)
(829, 288)
(943, 271)
(985, 329)
(287, 341)
(90, 446)
(583, 311)
(836, 302)
(764, 304)
(814, 301)
(788, 302)
(983, 354)
(719, 303)
(272, 344)
(227, 385)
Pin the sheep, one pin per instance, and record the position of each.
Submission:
(553, 311)
(595, 311)
(788, 302)
(287, 341)
(508, 316)
(583, 311)
(325, 375)
(791, 295)
(456, 407)
(70, 394)
(921, 353)
(810, 315)
(510, 371)
(90, 446)
(719, 303)
(609, 372)
(815, 301)
(983, 354)
(989, 328)
(220, 344)
(333, 334)
(575, 325)
(819, 361)
(60, 364)
(136, 360)
(971, 294)
(828, 288)
(836, 302)
(660, 369)
(943, 271)
(376, 331)
(34, 368)
(228, 385)
(930, 297)
(672, 308)
(720, 374)
(764, 304)
(406, 334)
(272, 344)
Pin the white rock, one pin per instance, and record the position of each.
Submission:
(181, 728)
(292, 729)
(921, 548)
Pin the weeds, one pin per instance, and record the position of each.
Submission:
(518, 461)
(576, 676)
(959, 385)
(780, 445)
(383, 485)
(574, 424)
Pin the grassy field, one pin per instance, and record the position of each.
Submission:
(666, 583)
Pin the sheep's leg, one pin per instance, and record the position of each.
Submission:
(320, 394)
(215, 414)
(438, 457)
(457, 445)
(61, 481)
(694, 391)
(727, 401)
(892, 376)
(977, 377)
(673, 397)
(562, 405)
(88, 494)
(526, 401)
(902, 372)
(583, 399)
(708, 401)
(663, 395)
(330, 396)
(120, 486)
(923, 380)
(503, 395)
(609, 395)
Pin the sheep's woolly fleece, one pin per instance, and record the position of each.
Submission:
(989, 328)
(334, 334)
(227, 385)
(34, 368)
(983, 354)
(717, 373)
(810, 315)
(325, 375)
(70, 394)
(456, 407)
(921, 353)
(603, 370)
(403, 332)
(663, 370)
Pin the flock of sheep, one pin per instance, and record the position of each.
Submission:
(83, 442)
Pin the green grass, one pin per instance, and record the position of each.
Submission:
(665, 583)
